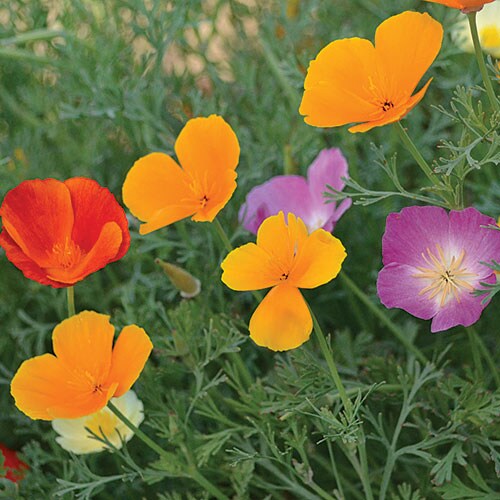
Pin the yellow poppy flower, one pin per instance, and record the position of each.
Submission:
(286, 258)
(351, 80)
(159, 192)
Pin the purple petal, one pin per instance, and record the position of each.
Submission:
(411, 232)
(397, 287)
(479, 243)
(464, 312)
(289, 193)
(327, 169)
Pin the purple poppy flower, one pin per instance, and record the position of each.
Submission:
(432, 264)
(295, 194)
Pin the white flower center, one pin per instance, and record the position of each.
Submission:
(447, 277)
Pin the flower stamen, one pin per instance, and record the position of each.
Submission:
(448, 278)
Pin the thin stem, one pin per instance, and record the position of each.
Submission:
(222, 234)
(478, 366)
(486, 354)
(383, 318)
(410, 146)
(480, 61)
(70, 292)
(193, 472)
(363, 462)
(331, 364)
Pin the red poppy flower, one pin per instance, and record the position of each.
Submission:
(57, 233)
(14, 468)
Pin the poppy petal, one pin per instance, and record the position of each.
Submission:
(338, 82)
(395, 114)
(93, 207)
(167, 216)
(406, 45)
(27, 266)
(38, 215)
(84, 342)
(218, 193)
(103, 252)
(282, 241)
(282, 320)
(43, 388)
(154, 183)
(249, 267)
(130, 354)
(318, 261)
(206, 147)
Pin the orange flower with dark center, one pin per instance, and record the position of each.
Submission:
(465, 5)
(57, 233)
(352, 80)
(86, 370)
(159, 192)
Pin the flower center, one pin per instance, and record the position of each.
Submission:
(447, 278)
(67, 254)
(387, 105)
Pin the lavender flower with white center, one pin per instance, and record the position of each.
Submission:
(432, 264)
(300, 196)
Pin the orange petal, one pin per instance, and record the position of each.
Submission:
(206, 148)
(338, 84)
(318, 261)
(282, 320)
(281, 241)
(153, 184)
(43, 388)
(406, 45)
(218, 194)
(395, 114)
(249, 267)
(103, 252)
(167, 216)
(93, 207)
(38, 214)
(29, 268)
(84, 342)
(130, 354)
(462, 4)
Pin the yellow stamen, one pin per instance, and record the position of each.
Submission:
(448, 277)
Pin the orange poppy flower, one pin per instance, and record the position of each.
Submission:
(86, 370)
(286, 258)
(57, 233)
(159, 192)
(465, 5)
(352, 80)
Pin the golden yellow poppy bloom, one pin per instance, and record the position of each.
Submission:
(352, 80)
(286, 258)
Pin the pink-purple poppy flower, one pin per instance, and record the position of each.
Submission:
(300, 196)
(432, 264)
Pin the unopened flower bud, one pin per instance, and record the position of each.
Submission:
(186, 283)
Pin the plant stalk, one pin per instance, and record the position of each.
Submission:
(193, 472)
(70, 292)
(331, 364)
(480, 61)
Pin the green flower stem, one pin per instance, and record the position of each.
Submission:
(478, 366)
(480, 61)
(478, 341)
(242, 368)
(382, 317)
(70, 292)
(331, 364)
(410, 146)
(222, 235)
(193, 472)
